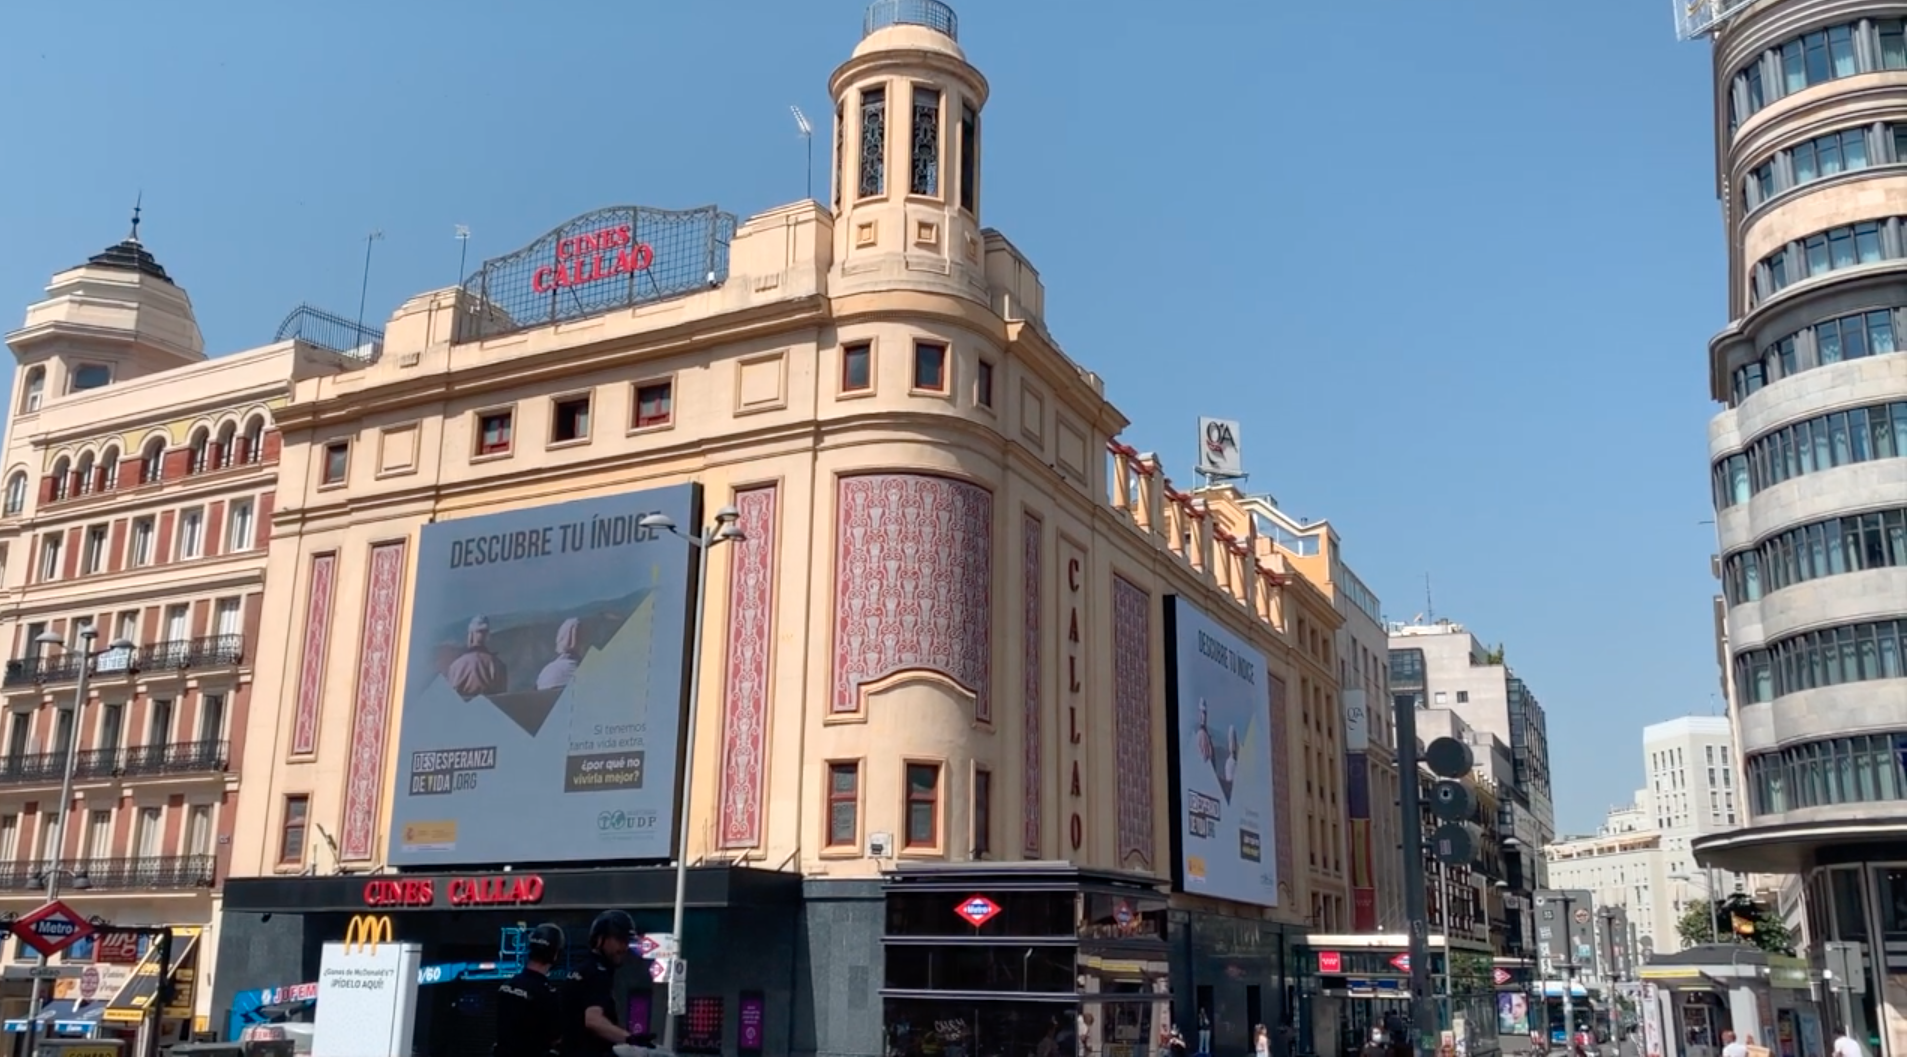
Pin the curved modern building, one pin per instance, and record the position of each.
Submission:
(1809, 459)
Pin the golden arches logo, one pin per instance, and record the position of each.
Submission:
(365, 932)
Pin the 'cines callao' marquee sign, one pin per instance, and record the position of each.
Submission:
(494, 890)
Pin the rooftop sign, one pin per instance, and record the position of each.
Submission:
(599, 262)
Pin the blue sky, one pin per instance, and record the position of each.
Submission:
(1453, 265)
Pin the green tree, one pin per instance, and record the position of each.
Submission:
(1736, 919)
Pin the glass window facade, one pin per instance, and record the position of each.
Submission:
(1813, 660)
(1874, 540)
(1862, 769)
(1840, 438)
(1815, 57)
(1833, 250)
(1848, 150)
(1848, 337)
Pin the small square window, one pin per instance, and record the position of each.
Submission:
(1463, 697)
(569, 419)
(337, 461)
(857, 367)
(291, 832)
(655, 404)
(495, 431)
(91, 376)
(983, 384)
(930, 366)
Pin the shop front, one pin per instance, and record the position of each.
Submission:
(742, 941)
(1023, 958)
(108, 990)
(1354, 983)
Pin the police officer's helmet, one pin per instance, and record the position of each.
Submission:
(612, 924)
(545, 943)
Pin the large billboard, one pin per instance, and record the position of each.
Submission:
(1222, 760)
(544, 687)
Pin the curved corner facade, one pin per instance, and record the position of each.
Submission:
(1809, 463)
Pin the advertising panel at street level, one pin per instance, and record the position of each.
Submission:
(543, 694)
(1222, 756)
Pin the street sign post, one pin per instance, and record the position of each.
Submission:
(678, 986)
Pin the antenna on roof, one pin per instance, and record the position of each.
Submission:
(364, 287)
(807, 136)
(1430, 610)
(137, 201)
(463, 250)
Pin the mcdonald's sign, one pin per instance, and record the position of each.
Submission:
(365, 932)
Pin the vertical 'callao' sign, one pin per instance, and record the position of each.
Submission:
(594, 256)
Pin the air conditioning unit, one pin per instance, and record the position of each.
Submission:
(880, 845)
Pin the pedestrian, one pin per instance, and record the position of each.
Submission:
(1379, 1046)
(591, 1027)
(1733, 1047)
(1846, 1046)
(1261, 1041)
(529, 1004)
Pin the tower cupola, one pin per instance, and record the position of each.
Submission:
(906, 178)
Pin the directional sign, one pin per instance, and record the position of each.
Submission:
(654, 944)
(659, 969)
(1581, 915)
(977, 910)
(1331, 962)
(678, 986)
(1501, 976)
(52, 928)
(1401, 962)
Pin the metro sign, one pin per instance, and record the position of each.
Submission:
(977, 910)
(1501, 976)
(1331, 962)
(52, 928)
(1401, 962)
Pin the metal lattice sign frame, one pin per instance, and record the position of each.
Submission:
(599, 262)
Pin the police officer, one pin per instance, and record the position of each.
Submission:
(591, 1027)
(529, 1005)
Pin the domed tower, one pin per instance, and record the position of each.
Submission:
(907, 153)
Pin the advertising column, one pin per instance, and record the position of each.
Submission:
(544, 688)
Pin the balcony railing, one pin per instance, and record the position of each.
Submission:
(152, 873)
(210, 651)
(139, 761)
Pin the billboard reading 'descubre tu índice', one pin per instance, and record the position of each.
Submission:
(543, 691)
(1224, 827)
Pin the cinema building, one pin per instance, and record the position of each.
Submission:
(997, 733)
(139, 478)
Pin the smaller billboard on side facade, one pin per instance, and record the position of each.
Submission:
(1225, 829)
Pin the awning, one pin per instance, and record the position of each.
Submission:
(65, 1016)
(134, 1000)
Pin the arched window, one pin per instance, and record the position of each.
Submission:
(84, 473)
(35, 389)
(227, 456)
(152, 461)
(201, 448)
(255, 439)
(16, 493)
(109, 469)
(62, 477)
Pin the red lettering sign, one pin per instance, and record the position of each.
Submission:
(592, 257)
(497, 890)
(504, 890)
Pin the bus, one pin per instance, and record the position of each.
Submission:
(1585, 1013)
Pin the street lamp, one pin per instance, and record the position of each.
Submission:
(53, 870)
(724, 529)
(1708, 885)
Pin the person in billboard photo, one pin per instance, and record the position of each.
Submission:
(1231, 764)
(1204, 732)
(569, 653)
(478, 671)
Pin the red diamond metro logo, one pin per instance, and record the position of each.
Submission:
(52, 928)
(977, 910)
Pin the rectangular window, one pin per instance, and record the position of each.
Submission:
(969, 154)
(112, 721)
(923, 805)
(99, 836)
(495, 430)
(198, 830)
(337, 461)
(91, 376)
(159, 722)
(49, 558)
(49, 836)
(982, 813)
(925, 156)
(873, 179)
(211, 718)
(227, 617)
(139, 545)
(655, 404)
(291, 832)
(9, 837)
(93, 557)
(191, 533)
(569, 419)
(983, 383)
(857, 367)
(238, 527)
(19, 734)
(930, 366)
(844, 804)
(1893, 44)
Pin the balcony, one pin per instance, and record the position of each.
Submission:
(153, 873)
(211, 651)
(140, 761)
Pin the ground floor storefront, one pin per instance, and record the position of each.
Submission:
(1358, 982)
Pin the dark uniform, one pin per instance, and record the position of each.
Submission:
(594, 986)
(529, 1015)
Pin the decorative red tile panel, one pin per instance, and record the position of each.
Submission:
(372, 720)
(751, 634)
(1132, 719)
(913, 583)
(304, 723)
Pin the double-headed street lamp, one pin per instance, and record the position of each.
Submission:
(726, 528)
(52, 871)
(1708, 884)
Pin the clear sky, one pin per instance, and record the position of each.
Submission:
(1453, 265)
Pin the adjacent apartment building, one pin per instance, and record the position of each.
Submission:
(140, 477)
